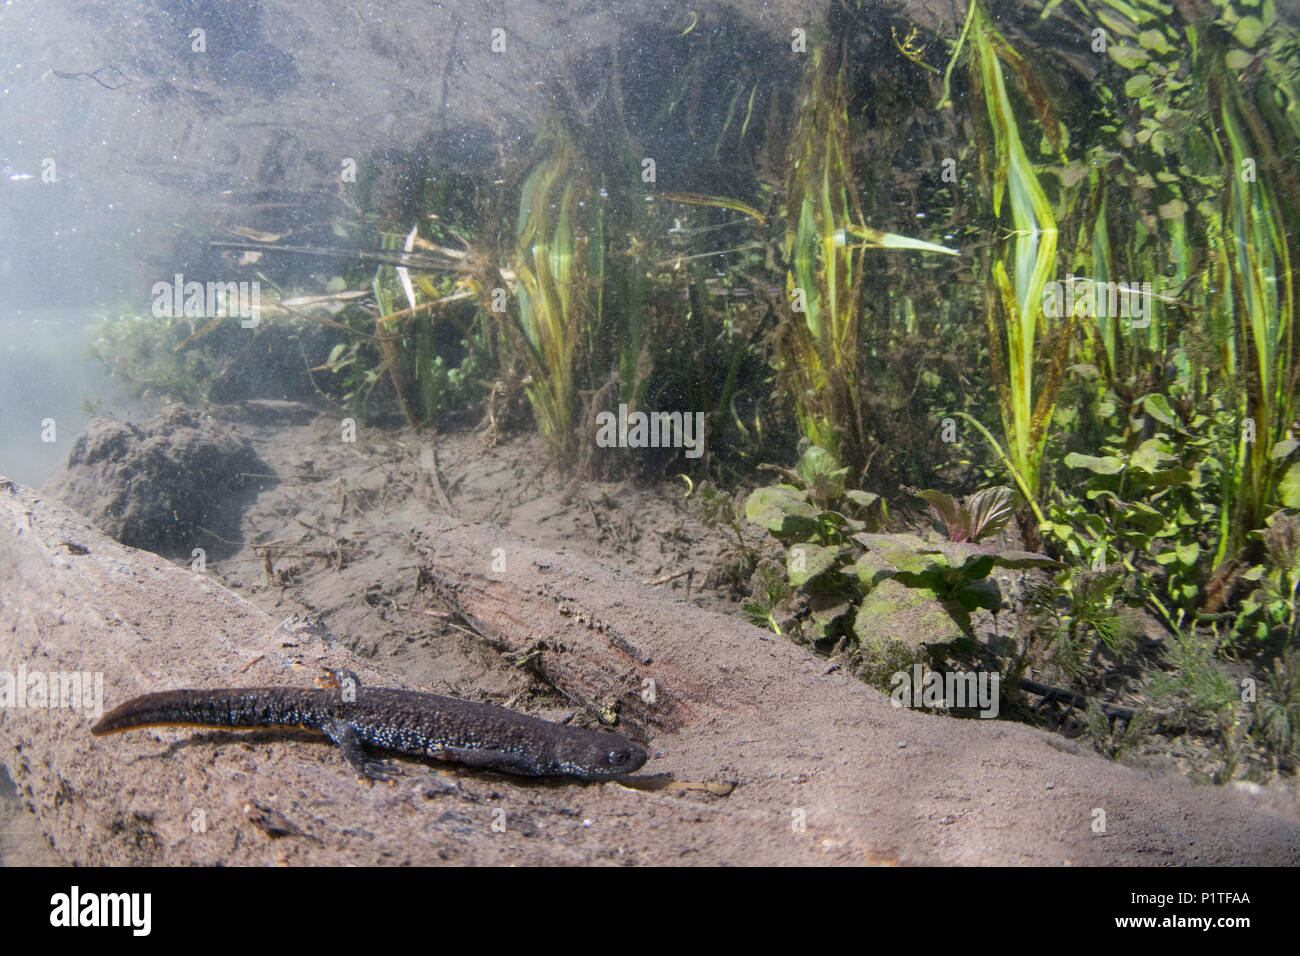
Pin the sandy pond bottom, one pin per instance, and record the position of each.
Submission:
(338, 532)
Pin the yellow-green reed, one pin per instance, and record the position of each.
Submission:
(1255, 259)
(1014, 313)
(551, 268)
(826, 236)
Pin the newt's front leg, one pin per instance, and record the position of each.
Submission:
(345, 735)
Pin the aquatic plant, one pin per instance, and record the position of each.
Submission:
(1026, 386)
(1277, 709)
(552, 271)
(817, 347)
(1255, 255)
(1149, 502)
(862, 583)
(151, 353)
(388, 336)
(982, 514)
(1270, 613)
(1227, 113)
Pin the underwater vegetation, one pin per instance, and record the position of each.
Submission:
(1021, 343)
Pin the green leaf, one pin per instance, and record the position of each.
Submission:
(867, 506)
(781, 509)
(1150, 458)
(970, 559)
(914, 616)
(870, 570)
(905, 552)
(1166, 477)
(934, 577)
(1238, 59)
(1283, 449)
(1138, 87)
(1288, 489)
(816, 560)
(863, 499)
(816, 462)
(1157, 406)
(1248, 31)
(1188, 553)
(1154, 41)
(1145, 517)
(1117, 22)
(833, 519)
(1109, 465)
(760, 616)
(1130, 58)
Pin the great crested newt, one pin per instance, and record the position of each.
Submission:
(406, 721)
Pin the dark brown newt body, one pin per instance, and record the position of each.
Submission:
(411, 722)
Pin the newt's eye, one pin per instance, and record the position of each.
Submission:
(618, 757)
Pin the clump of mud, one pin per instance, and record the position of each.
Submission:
(165, 486)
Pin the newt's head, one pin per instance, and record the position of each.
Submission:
(596, 756)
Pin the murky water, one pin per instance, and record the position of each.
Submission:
(50, 389)
(921, 244)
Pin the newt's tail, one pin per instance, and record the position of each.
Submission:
(223, 707)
